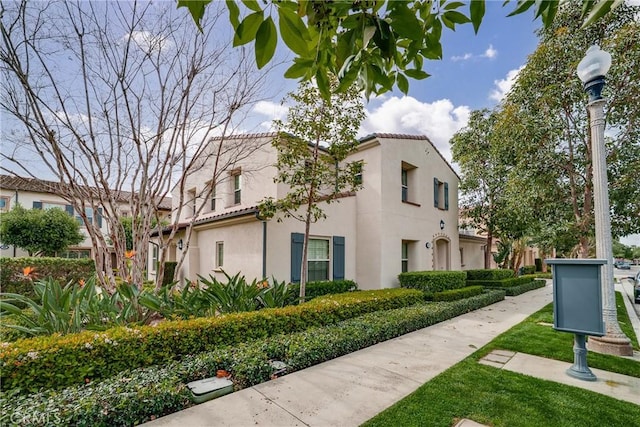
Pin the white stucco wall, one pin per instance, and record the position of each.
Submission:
(473, 254)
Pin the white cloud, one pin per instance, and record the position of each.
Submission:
(464, 57)
(272, 110)
(489, 53)
(504, 85)
(149, 42)
(438, 120)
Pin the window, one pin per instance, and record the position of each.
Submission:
(358, 173)
(440, 194)
(219, 254)
(405, 186)
(76, 254)
(154, 258)
(405, 257)
(213, 199)
(462, 257)
(237, 197)
(408, 183)
(192, 200)
(89, 213)
(4, 204)
(318, 260)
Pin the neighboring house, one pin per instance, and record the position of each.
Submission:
(405, 218)
(472, 250)
(34, 193)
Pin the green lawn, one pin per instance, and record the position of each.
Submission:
(501, 398)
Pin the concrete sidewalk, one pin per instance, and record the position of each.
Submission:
(353, 388)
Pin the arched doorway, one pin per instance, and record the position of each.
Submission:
(442, 254)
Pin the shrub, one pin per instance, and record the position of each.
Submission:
(489, 274)
(58, 361)
(504, 283)
(526, 287)
(60, 269)
(134, 397)
(457, 294)
(433, 281)
(528, 269)
(316, 289)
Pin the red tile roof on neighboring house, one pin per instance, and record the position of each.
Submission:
(35, 185)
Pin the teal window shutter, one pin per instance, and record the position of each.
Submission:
(69, 209)
(446, 196)
(436, 184)
(37, 205)
(99, 217)
(297, 240)
(338, 258)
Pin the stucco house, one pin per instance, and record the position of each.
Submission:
(34, 193)
(405, 218)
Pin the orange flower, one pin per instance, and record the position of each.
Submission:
(28, 271)
(81, 282)
(129, 254)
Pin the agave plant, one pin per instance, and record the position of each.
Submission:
(234, 296)
(184, 303)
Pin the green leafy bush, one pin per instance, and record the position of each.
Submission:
(528, 269)
(316, 289)
(489, 274)
(457, 294)
(526, 287)
(504, 283)
(58, 361)
(60, 269)
(169, 272)
(137, 396)
(433, 281)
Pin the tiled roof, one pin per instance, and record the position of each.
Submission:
(35, 185)
(246, 136)
(252, 210)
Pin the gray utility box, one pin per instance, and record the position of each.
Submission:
(209, 388)
(577, 295)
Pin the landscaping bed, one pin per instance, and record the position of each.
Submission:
(513, 291)
(135, 396)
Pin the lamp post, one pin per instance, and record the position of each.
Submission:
(591, 70)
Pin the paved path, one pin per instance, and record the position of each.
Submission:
(351, 389)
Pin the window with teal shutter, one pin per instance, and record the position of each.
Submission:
(338, 258)
(446, 196)
(297, 240)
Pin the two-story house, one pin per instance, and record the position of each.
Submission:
(34, 193)
(405, 218)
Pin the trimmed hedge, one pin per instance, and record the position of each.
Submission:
(315, 289)
(489, 274)
(63, 270)
(57, 361)
(433, 281)
(504, 283)
(457, 294)
(134, 397)
(514, 291)
(528, 269)
(169, 271)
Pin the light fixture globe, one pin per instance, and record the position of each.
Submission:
(592, 69)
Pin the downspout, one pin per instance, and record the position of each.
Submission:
(264, 244)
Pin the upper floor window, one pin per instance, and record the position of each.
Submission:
(213, 198)
(219, 254)
(236, 177)
(192, 200)
(358, 173)
(405, 257)
(89, 214)
(408, 183)
(440, 194)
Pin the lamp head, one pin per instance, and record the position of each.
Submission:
(592, 69)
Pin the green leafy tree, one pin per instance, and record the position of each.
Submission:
(544, 122)
(39, 232)
(312, 147)
(377, 43)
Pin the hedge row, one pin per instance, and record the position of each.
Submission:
(134, 397)
(457, 294)
(433, 281)
(504, 283)
(315, 289)
(58, 361)
(61, 269)
(528, 269)
(514, 291)
(488, 274)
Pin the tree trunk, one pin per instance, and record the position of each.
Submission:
(487, 252)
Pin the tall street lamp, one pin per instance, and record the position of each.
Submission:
(591, 70)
